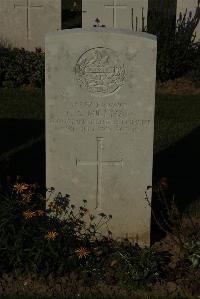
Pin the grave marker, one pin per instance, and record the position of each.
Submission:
(117, 14)
(114, 6)
(100, 96)
(28, 21)
(28, 7)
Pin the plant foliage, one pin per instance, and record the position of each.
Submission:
(176, 42)
(56, 240)
(19, 67)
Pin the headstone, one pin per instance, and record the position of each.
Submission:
(117, 14)
(191, 6)
(100, 96)
(28, 21)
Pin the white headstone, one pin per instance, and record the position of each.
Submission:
(120, 14)
(24, 23)
(190, 5)
(100, 95)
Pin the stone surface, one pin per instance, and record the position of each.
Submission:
(100, 94)
(120, 14)
(29, 21)
(190, 5)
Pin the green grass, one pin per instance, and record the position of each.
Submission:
(22, 104)
(176, 116)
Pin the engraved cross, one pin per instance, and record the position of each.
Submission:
(114, 7)
(99, 163)
(28, 8)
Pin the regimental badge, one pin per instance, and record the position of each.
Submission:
(100, 71)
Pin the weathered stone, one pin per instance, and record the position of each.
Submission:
(120, 14)
(100, 94)
(24, 23)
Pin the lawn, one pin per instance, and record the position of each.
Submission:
(176, 116)
(22, 104)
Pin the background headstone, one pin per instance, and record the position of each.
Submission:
(100, 94)
(117, 14)
(30, 20)
(24, 23)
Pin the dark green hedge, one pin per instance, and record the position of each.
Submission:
(19, 67)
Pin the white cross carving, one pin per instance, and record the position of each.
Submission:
(99, 162)
(28, 7)
(114, 7)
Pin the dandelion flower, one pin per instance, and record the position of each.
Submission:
(82, 252)
(21, 187)
(28, 214)
(51, 235)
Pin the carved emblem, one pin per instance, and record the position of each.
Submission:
(100, 71)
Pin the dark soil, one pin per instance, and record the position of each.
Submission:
(183, 85)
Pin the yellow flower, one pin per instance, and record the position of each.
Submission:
(82, 252)
(21, 187)
(27, 197)
(40, 212)
(51, 235)
(28, 214)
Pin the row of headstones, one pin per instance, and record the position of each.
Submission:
(30, 20)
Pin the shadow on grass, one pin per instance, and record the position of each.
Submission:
(180, 163)
(22, 159)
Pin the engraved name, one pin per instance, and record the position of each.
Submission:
(93, 117)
